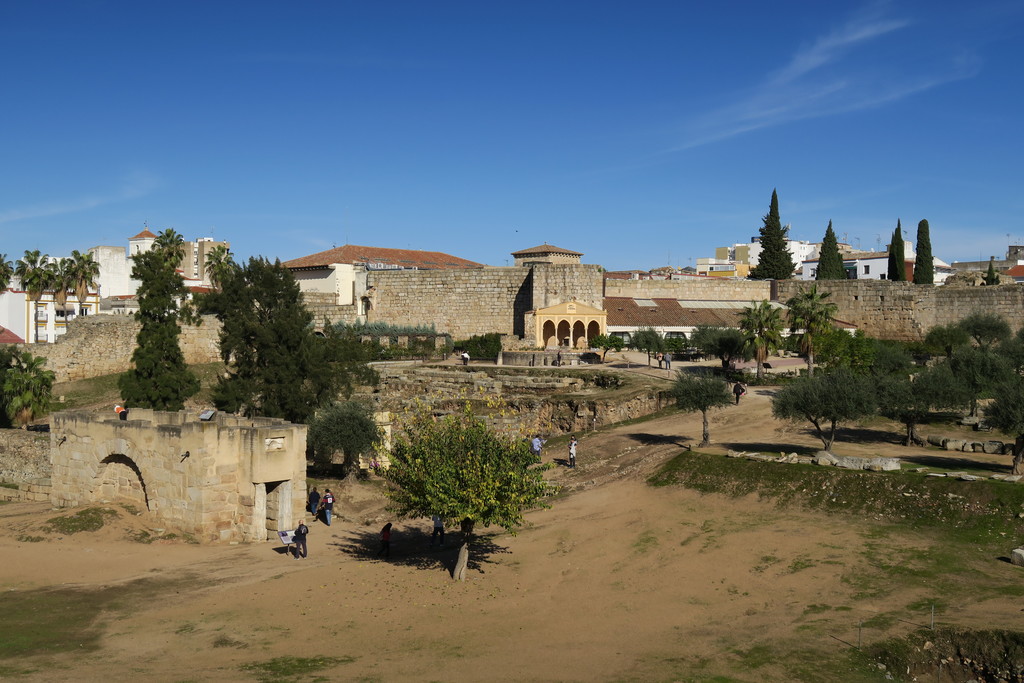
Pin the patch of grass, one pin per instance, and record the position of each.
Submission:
(800, 564)
(226, 641)
(291, 668)
(185, 629)
(89, 519)
(8, 485)
(880, 621)
(816, 609)
(129, 508)
(646, 542)
(766, 561)
(25, 538)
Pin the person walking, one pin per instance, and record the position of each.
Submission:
(314, 502)
(328, 502)
(299, 538)
(536, 445)
(438, 530)
(738, 390)
(465, 358)
(385, 541)
(572, 452)
(668, 362)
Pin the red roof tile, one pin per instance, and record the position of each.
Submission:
(1016, 271)
(626, 312)
(145, 234)
(8, 337)
(545, 249)
(401, 258)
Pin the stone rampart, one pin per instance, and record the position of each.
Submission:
(557, 283)
(324, 305)
(905, 311)
(691, 289)
(103, 345)
(462, 303)
(24, 455)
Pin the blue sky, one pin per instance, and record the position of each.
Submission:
(640, 133)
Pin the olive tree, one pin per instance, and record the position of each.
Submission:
(1006, 413)
(826, 400)
(700, 392)
(347, 427)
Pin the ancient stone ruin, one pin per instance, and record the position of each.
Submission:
(225, 478)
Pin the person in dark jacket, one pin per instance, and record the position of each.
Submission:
(299, 538)
(314, 502)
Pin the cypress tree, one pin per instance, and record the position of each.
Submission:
(159, 378)
(830, 261)
(924, 267)
(897, 257)
(991, 277)
(775, 261)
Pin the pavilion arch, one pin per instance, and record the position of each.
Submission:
(569, 323)
(119, 477)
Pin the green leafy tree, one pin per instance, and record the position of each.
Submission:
(347, 427)
(481, 345)
(700, 392)
(774, 262)
(946, 339)
(647, 339)
(890, 358)
(159, 378)
(897, 256)
(85, 272)
(761, 323)
(1012, 350)
(826, 400)
(830, 261)
(840, 349)
(463, 470)
(977, 373)
(35, 274)
(986, 329)
(62, 281)
(810, 316)
(727, 344)
(924, 265)
(276, 365)
(991, 276)
(27, 388)
(1006, 413)
(607, 342)
(910, 399)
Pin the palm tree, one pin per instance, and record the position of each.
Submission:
(6, 272)
(27, 388)
(171, 244)
(34, 272)
(812, 316)
(219, 264)
(86, 272)
(762, 324)
(62, 280)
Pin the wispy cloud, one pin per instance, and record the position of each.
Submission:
(132, 187)
(828, 77)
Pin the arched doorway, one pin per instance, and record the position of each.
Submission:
(563, 332)
(548, 334)
(119, 478)
(593, 330)
(579, 335)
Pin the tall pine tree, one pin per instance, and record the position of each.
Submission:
(924, 266)
(775, 261)
(897, 256)
(159, 378)
(830, 261)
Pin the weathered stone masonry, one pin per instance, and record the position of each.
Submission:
(226, 479)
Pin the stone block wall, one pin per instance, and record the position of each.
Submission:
(227, 479)
(103, 344)
(557, 283)
(462, 303)
(697, 289)
(324, 305)
(24, 455)
(905, 311)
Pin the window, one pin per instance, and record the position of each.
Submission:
(867, 269)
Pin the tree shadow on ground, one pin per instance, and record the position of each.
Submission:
(411, 548)
(769, 448)
(958, 463)
(646, 439)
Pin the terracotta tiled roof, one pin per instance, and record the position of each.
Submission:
(545, 249)
(1016, 271)
(627, 312)
(402, 258)
(8, 337)
(145, 234)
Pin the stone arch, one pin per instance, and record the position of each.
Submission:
(548, 334)
(119, 477)
(563, 332)
(593, 330)
(579, 334)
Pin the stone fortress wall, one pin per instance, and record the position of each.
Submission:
(103, 345)
(689, 289)
(905, 311)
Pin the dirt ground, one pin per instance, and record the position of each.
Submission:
(615, 581)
